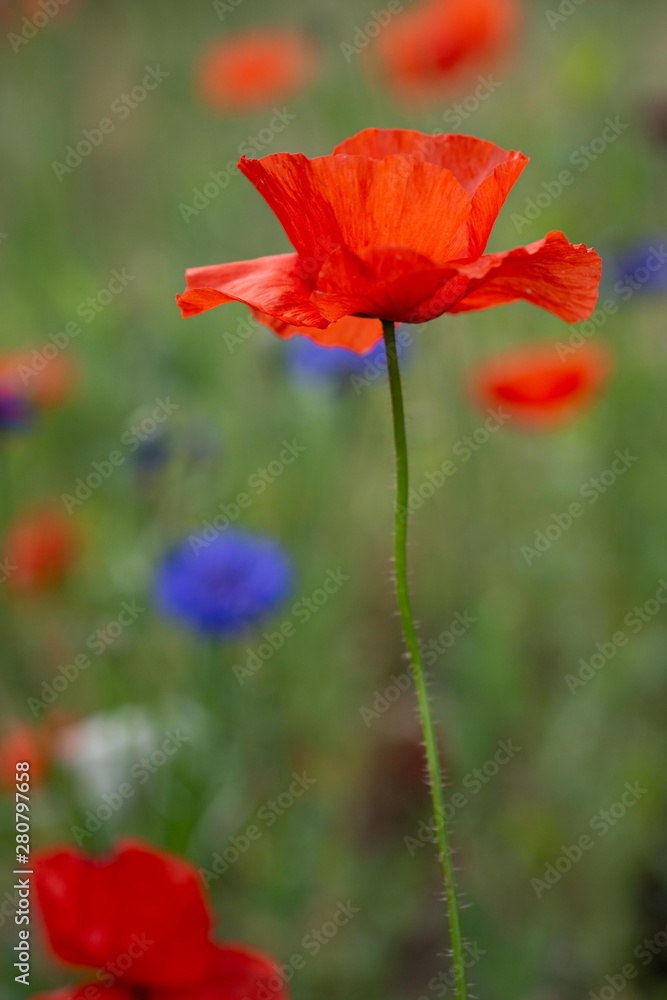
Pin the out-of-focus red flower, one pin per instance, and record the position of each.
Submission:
(95, 909)
(21, 742)
(537, 387)
(438, 42)
(393, 225)
(41, 381)
(13, 12)
(40, 548)
(144, 912)
(36, 743)
(253, 71)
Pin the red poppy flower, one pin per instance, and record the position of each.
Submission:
(43, 383)
(438, 41)
(255, 70)
(537, 387)
(21, 742)
(141, 916)
(393, 225)
(137, 902)
(40, 547)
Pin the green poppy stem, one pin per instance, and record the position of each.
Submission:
(412, 643)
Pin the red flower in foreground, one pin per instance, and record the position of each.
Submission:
(42, 382)
(539, 388)
(40, 548)
(438, 41)
(141, 919)
(255, 70)
(393, 225)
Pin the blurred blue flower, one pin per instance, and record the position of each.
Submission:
(643, 267)
(221, 584)
(311, 363)
(15, 411)
(152, 452)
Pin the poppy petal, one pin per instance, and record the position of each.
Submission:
(471, 160)
(388, 282)
(136, 900)
(539, 388)
(552, 273)
(277, 285)
(255, 69)
(356, 202)
(353, 332)
(486, 171)
(240, 974)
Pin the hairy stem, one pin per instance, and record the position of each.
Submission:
(412, 643)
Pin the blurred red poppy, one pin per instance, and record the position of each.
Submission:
(42, 382)
(143, 912)
(39, 12)
(40, 549)
(537, 387)
(438, 42)
(393, 226)
(36, 743)
(21, 742)
(252, 71)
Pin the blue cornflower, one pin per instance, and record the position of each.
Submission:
(643, 267)
(222, 585)
(15, 411)
(152, 452)
(312, 363)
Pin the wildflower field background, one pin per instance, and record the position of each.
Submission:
(286, 764)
